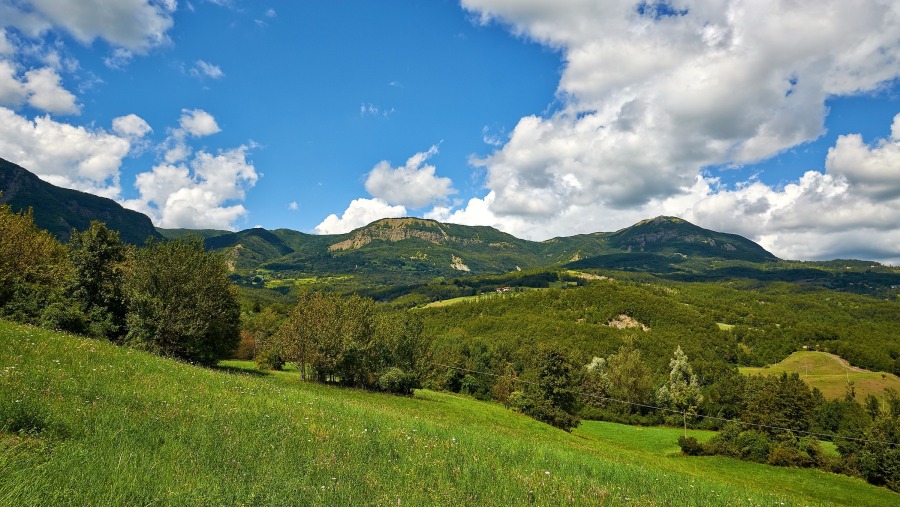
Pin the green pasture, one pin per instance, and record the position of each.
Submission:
(83, 422)
(830, 374)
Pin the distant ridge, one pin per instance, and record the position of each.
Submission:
(674, 235)
(59, 210)
(407, 250)
(416, 248)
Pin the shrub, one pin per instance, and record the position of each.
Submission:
(516, 400)
(269, 360)
(470, 385)
(64, 316)
(753, 445)
(725, 442)
(786, 455)
(690, 446)
(813, 451)
(395, 380)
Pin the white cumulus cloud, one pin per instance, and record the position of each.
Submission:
(12, 89)
(198, 122)
(413, 185)
(46, 93)
(874, 170)
(41, 88)
(131, 126)
(201, 194)
(62, 154)
(193, 123)
(133, 24)
(651, 97)
(360, 212)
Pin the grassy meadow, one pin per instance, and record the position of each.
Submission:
(830, 374)
(88, 423)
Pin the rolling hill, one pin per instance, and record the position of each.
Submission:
(830, 374)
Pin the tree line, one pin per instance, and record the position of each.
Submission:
(172, 298)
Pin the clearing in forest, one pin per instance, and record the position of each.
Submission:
(830, 374)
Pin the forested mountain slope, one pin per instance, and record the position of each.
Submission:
(59, 210)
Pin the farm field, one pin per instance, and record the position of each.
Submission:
(830, 374)
(88, 423)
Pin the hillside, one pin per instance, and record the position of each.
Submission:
(59, 210)
(412, 251)
(183, 233)
(830, 374)
(765, 323)
(419, 261)
(409, 249)
(674, 236)
(86, 423)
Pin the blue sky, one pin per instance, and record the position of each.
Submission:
(542, 118)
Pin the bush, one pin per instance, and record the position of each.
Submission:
(725, 442)
(690, 446)
(813, 451)
(753, 445)
(395, 380)
(470, 385)
(545, 411)
(269, 360)
(65, 316)
(516, 400)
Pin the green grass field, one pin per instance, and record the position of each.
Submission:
(477, 297)
(830, 374)
(88, 423)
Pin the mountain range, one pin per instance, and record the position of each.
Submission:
(408, 252)
(416, 246)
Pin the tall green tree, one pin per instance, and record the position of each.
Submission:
(596, 385)
(878, 459)
(34, 268)
(682, 391)
(630, 379)
(181, 302)
(779, 402)
(554, 394)
(506, 385)
(98, 258)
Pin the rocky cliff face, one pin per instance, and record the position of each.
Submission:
(394, 230)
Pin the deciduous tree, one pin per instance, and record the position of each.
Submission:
(98, 257)
(181, 302)
(34, 267)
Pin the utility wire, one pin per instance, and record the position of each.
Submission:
(665, 409)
